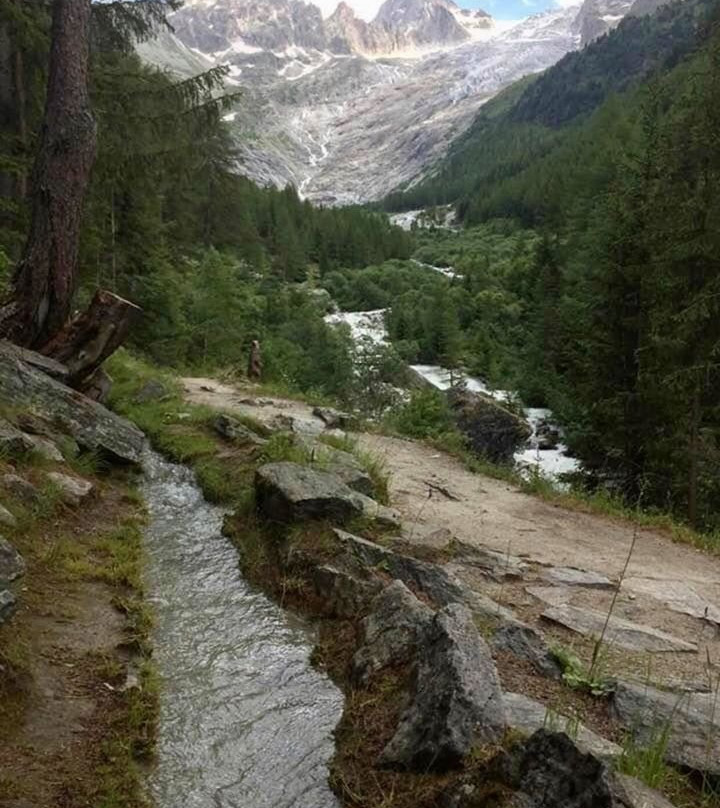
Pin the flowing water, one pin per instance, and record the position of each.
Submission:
(245, 721)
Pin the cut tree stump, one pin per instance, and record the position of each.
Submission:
(91, 337)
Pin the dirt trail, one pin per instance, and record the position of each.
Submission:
(491, 514)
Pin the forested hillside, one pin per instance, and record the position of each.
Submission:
(169, 222)
(625, 198)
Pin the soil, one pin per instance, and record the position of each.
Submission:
(492, 514)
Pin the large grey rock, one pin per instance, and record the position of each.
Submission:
(526, 643)
(37, 361)
(550, 771)
(233, 429)
(491, 430)
(692, 721)
(527, 715)
(392, 631)
(456, 700)
(286, 492)
(19, 487)
(73, 490)
(571, 576)
(421, 576)
(12, 564)
(629, 792)
(8, 605)
(93, 426)
(343, 593)
(676, 595)
(633, 636)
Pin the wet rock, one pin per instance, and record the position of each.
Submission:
(343, 594)
(527, 715)
(392, 631)
(524, 642)
(550, 771)
(287, 492)
(491, 430)
(547, 435)
(73, 490)
(692, 721)
(19, 487)
(89, 423)
(233, 429)
(570, 576)
(6, 518)
(633, 636)
(12, 564)
(456, 700)
(333, 419)
(421, 576)
(8, 605)
(152, 390)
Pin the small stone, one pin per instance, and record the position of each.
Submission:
(8, 605)
(73, 490)
(12, 564)
(19, 487)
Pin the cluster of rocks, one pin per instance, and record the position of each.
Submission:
(419, 616)
(51, 421)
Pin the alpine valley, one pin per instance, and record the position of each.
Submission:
(347, 110)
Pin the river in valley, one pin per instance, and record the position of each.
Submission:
(245, 721)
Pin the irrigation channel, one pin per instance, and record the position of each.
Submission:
(245, 720)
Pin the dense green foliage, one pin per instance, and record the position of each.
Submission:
(617, 325)
(210, 257)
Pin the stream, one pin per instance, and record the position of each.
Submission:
(245, 721)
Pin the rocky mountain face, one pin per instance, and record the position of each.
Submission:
(348, 110)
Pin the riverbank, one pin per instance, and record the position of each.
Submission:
(78, 695)
(432, 492)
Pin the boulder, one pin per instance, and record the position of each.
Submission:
(73, 490)
(233, 429)
(152, 390)
(527, 715)
(421, 576)
(456, 701)
(12, 564)
(288, 492)
(524, 642)
(6, 518)
(13, 442)
(343, 594)
(19, 487)
(37, 361)
(46, 449)
(8, 605)
(490, 429)
(632, 636)
(343, 465)
(392, 631)
(333, 419)
(384, 516)
(628, 792)
(692, 721)
(93, 426)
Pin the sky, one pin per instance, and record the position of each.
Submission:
(500, 9)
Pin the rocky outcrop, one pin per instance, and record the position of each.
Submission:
(344, 594)
(392, 632)
(491, 430)
(89, 423)
(690, 720)
(6, 518)
(456, 700)
(12, 564)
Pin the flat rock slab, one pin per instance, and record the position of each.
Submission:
(494, 563)
(632, 636)
(570, 576)
(676, 595)
(93, 426)
(692, 721)
(528, 715)
(552, 595)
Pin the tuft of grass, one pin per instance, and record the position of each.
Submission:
(647, 762)
(284, 447)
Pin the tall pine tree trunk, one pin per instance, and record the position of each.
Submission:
(45, 279)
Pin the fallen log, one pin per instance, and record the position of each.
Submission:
(91, 337)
